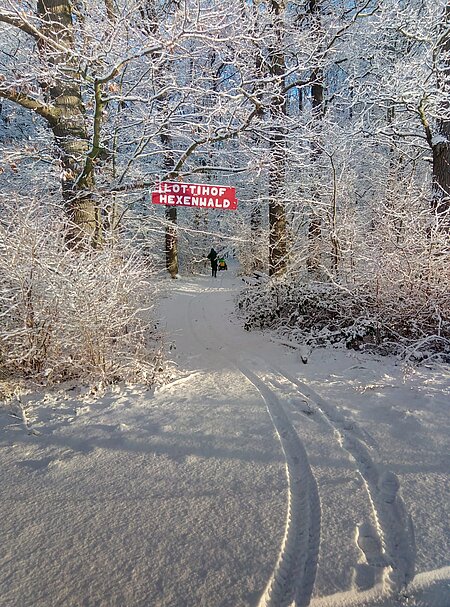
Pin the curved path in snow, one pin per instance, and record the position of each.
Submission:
(250, 480)
(294, 574)
(388, 545)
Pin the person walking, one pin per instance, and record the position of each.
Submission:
(213, 259)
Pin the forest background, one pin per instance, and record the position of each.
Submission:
(330, 117)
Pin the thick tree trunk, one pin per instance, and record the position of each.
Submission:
(69, 125)
(441, 141)
(315, 224)
(277, 209)
(277, 234)
(313, 260)
(441, 171)
(256, 235)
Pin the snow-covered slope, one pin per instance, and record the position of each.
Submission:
(252, 479)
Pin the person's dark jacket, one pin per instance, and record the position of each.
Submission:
(212, 258)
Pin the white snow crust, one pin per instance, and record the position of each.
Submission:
(251, 479)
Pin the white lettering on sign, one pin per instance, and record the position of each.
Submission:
(195, 195)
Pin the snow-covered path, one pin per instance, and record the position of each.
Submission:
(250, 480)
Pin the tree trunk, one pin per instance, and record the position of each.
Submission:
(441, 140)
(171, 242)
(315, 224)
(69, 125)
(171, 213)
(441, 170)
(255, 235)
(277, 210)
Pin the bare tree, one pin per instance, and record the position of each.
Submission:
(440, 140)
(59, 101)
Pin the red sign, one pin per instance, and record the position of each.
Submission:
(202, 195)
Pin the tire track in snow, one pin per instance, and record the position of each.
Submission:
(394, 524)
(294, 574)
(391, 546)
(293, 578)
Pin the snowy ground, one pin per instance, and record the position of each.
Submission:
(252, 479)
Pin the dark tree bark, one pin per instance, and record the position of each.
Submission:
(439, 138)
(277, 209)
(171, 235)
(441, 142)
(441, 170)
(69, 127)
(64, 112)
(318, 111)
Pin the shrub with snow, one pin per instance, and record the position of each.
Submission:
(72, 313)
(325, 313)
(401, 305)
